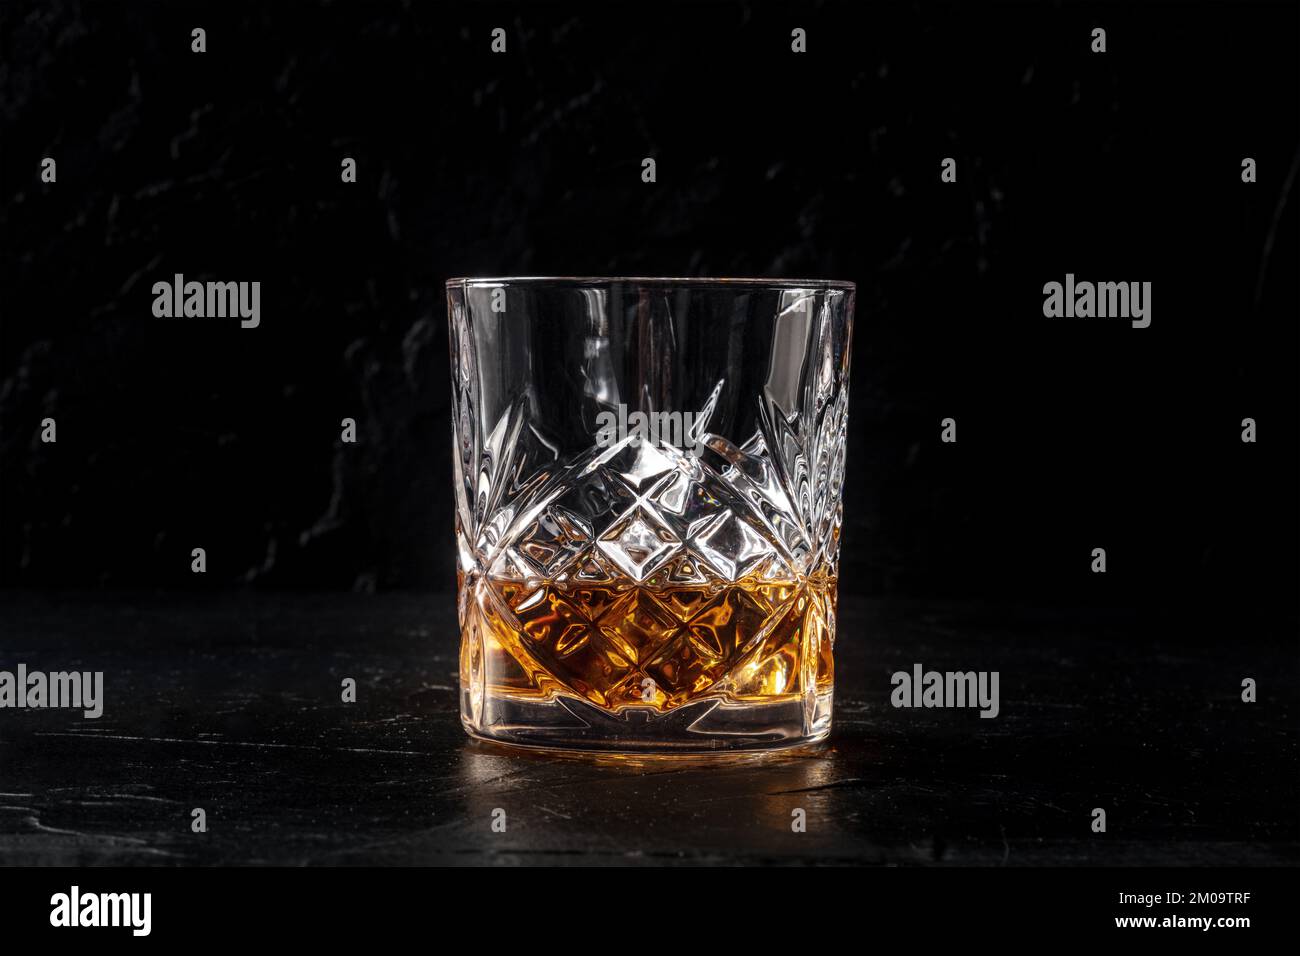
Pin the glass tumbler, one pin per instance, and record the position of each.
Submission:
(648, 480)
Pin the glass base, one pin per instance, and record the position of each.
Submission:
(708, 725)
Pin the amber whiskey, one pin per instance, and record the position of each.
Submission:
(619, 644)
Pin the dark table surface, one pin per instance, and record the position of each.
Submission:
(232, 703)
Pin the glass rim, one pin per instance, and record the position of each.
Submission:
(463, 281)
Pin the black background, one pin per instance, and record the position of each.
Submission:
(1072, 434)
(1120, 690)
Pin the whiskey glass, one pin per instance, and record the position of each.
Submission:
(648, 482)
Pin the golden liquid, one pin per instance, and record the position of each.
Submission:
(623, 644)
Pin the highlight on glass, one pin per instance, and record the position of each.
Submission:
(648, 479)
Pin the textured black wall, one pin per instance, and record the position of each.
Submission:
(1077, 434)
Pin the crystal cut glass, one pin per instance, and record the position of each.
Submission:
(648, 483)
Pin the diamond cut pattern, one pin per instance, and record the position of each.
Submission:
(559, 541)
(554, 539)
(642, 510)
(569, 574)
(639, 625)
(639, 464)
(732, 546)
(637, 544)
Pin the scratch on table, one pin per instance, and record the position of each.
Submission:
(833, 785)
(555, 813)
(32, 820)
(258, 745)
(1266, 252)
(109, 838)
